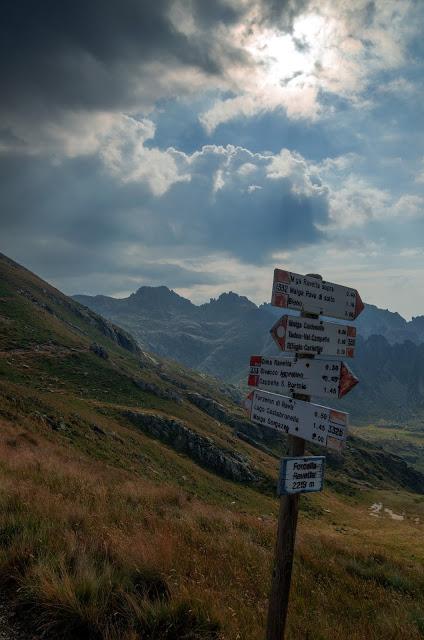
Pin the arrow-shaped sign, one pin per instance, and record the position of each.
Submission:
(306, 420)
(322, 378)
(314, 337)
(310, 294)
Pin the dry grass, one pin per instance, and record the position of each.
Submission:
(92, 552)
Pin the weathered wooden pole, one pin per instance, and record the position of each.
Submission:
(284, 551)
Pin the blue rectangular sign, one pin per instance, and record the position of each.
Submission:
(301, 475)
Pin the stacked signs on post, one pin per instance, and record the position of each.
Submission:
(278, 379)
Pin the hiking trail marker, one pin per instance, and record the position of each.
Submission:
(314, 337)
(301, 475)
(311, 422)
(289, 375)
(281, 400)
(315, 295)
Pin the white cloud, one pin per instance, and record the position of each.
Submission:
(412, 252)
(358, 202)
(408, 206)
(125, 155)
(334, 47)
(399, 86)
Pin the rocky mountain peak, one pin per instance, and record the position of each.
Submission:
(230, 302)
(158, 298)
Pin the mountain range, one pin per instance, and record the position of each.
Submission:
(219, 337)
(138, 501)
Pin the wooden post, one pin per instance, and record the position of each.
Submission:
(284, 550)
(286, 536)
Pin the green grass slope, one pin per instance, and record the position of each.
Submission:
(137, 502)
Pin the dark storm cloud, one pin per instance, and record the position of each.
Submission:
(71, 218)
(74, 54)
(77, 54)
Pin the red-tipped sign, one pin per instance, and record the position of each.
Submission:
(288, 375)
(314, 337)
(310, 294)
(313, 422)
(347, 380)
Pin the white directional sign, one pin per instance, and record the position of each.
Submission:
(301, 475)
(288, 375)
(305, 293)
(314, 337)
(306, 420)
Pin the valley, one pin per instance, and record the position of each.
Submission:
(136, 500)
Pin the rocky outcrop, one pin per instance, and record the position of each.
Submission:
(105, 327)
(199, 448)
(159, 392)
(110, 330)
(98, 350)
(256, 435)
(210, 406)
(174, 381)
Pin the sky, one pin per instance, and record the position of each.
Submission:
(200, 144)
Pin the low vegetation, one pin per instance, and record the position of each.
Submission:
(109, 533)
(92, 551)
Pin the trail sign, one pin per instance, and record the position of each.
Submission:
(310, 294)
(289, 375)
(314, 337)
(313, 422)
(301, 475)
(301, 420)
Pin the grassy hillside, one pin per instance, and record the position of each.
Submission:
(136, 502)
(404, 440)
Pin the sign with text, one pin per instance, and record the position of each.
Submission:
(309, 294)
(323, 378)
(314, 337)
(301, 475)
(306, 420)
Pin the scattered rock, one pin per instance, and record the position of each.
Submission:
(98, 430)
(98, 350)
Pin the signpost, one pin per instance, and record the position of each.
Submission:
(301, 475)
(306, 420)
(313, 336)
(314, 295)
(281, 400)
(288, 375)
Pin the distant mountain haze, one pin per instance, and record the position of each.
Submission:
(219, 337)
